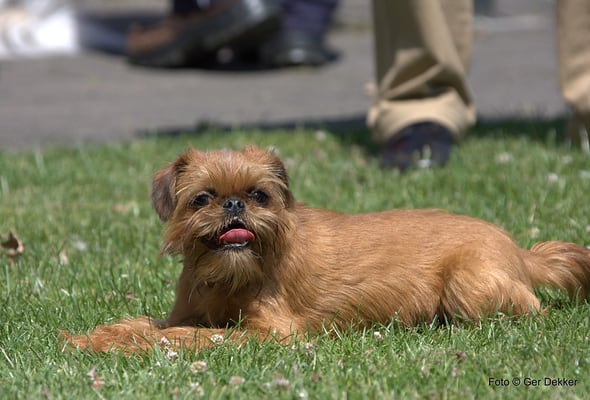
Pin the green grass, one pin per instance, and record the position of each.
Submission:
(91, 256)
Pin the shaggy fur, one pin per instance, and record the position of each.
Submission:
(288, 269)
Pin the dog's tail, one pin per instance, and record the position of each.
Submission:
(138, 335)
(565, 266)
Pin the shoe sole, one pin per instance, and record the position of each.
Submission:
(247, 22)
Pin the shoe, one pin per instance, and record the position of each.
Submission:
(181, 40)
(422, 145)
(294, 49)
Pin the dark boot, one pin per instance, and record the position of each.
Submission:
(423, 145)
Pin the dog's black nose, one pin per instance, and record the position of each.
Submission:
(234, 206)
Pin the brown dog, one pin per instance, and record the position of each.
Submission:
(254, 256)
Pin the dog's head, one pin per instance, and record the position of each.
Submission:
(228, 213)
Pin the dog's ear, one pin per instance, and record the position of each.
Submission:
(164, 187)
(277, 166)
(270, 158)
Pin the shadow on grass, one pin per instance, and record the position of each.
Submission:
(352, 130)
(539, 129)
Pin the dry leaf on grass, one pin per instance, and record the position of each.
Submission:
(13, 246)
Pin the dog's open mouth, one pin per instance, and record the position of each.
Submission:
(234, 236)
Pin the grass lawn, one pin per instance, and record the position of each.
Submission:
(91, 256)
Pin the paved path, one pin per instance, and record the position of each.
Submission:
(96, 97)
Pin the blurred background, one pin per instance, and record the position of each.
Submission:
(56, 87)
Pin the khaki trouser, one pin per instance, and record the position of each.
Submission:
(422, 54)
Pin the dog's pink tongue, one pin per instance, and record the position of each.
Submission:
(236, 236)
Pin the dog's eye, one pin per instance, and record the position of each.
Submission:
(200, 200)
(259, 196)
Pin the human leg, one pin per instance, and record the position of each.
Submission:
(422, 48)
(573, 25)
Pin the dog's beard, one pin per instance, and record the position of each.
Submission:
(235, 262)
